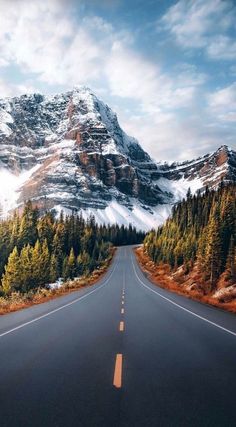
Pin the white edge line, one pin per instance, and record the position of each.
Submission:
(180, 306)
(59, 308)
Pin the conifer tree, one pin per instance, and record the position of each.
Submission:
(26, 268)
(231, 262)
(28, 230)
(212, 263)
(44, 262)
(70, 266)
(83, 262)
(11, 280)
(44, 244)
(36, 264)
(53, 271)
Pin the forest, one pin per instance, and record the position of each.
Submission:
(201, 232)
(38, 249)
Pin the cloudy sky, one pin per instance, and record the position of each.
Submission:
(167, 67)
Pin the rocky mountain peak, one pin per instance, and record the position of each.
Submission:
(210, 169)
(68, 151)
(76, 154)
(222, 155)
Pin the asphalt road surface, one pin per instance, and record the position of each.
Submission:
(120, 353)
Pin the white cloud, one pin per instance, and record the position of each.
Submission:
(203, 24)
(130, 76)
(222, 47)
(222, 103)
(10, 89)
(174, 139)
(43, 39)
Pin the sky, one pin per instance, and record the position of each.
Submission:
(168, 68)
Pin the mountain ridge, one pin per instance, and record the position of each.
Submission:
(68, 151)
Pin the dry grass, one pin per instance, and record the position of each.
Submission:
(178, 282)
(17, 301)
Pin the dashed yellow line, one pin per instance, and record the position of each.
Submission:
(122, 326)
(117, 380)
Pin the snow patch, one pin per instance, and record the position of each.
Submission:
(115, 213)
(10, 185)
(5, 119)
(179, 187)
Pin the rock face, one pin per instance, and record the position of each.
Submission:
(210, 169)
(68, 152)
(83, 157)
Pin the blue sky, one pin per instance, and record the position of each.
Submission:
(168, 68)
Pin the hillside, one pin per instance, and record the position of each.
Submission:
(198, 243)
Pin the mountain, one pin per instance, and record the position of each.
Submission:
(69, 152)
(210, 169)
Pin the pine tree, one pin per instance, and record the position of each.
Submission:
(83, 262)
(28, 224)
(53, 272)
(45, 263)
(43, 244)
(69, 267)
(26, 268)
(231, 262)
(11, 280)
(212, 263)
(36, 264)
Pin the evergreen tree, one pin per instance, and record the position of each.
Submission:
(231, 262)
(70, 266)
(44, 263)
(212, 263)
(44, 247)
(28, 230)
(11, 280)
(36, 265)
(26, 268)
(202, 227)
(53, 272)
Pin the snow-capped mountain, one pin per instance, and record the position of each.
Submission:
(68, 152)
(210, 169)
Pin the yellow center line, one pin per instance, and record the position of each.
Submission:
(122, 326)
(122, 311)
(117, 380)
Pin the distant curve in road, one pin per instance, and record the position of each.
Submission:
(120, 353)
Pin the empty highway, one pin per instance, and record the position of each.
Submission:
(120, 353)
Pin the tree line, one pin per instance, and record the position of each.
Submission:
(201, 230)
(36, 250)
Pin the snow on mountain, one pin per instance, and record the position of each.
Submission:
(210, 169)
(68, 152)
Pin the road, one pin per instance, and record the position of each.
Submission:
(120, 353)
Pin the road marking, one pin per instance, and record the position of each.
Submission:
(122, 302)
(122, 311)
(183, 308)
(117, 380)
(60, 308)
(122, 326)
